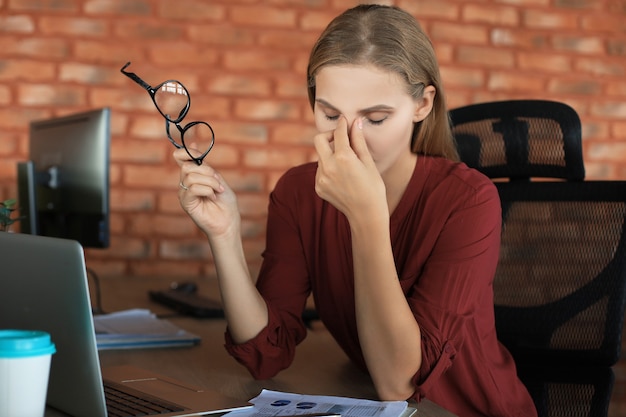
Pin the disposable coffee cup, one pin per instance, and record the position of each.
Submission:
(24, 371)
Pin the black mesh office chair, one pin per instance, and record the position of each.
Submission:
(560, 285)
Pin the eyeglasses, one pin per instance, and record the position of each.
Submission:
(172, 100)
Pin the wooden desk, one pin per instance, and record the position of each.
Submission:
(320, 367)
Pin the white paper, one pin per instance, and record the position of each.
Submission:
(277, 404)
(138, 328)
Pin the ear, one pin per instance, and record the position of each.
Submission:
(424, 105)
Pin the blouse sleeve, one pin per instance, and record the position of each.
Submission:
(454, 290)
(284, 284)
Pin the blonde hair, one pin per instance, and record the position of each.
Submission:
(390, 39)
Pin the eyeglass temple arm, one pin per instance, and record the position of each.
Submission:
(135, 78)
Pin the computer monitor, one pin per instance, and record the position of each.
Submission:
(64, 189)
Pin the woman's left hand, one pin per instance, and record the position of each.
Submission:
(347, 176)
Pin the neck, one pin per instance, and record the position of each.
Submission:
(397, 179)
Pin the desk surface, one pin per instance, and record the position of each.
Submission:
(319, 368)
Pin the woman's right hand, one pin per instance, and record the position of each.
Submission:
(207, 198)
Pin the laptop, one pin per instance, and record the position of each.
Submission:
(43, 286)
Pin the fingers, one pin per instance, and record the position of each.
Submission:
(358, 143)
(197, 180)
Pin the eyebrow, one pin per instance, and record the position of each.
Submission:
(372, 109)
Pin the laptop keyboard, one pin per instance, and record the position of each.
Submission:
(124, 402)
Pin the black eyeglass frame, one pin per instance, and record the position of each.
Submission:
(152, 91)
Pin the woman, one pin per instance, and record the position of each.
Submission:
(396, 240)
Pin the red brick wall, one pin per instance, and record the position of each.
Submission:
(243, 62)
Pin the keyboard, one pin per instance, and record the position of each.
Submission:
(125, 402)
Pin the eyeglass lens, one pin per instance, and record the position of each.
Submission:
(172, 100)
(196, 137)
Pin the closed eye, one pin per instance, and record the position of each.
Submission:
(374, 122)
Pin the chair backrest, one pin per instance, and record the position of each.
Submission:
(560, 290)
(520, 139)
(560, 285)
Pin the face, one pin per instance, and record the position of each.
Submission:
(380, 98)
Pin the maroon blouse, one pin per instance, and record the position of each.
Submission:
(445, 234)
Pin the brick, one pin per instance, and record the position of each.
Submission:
(263, 16)
(239, 85)
(595, 129)
(487, 57)
(603, 22)
(89, 74)
(17, 24)
(444, 52)
(242, 133)
(209, 107)
(67, 6)
(522, 39)
(150, 176)
(576, 87)
(256, 61)
(114, 53)
(453, 76)
(191, 10)
(119, 7)
(185, 250)
(266, 110)
(223, 155)
(248, 182)
(221, 35)
(131, 200)
(9, 144)
(611, 110)
(38, 47)
(149, 127)
(490, 14)
(515, 82)
(130, 98)
(316, 20)
(51, 95)
(453, 32)
(599, 67)
(130, 248)
(251, 229)
(578, 44)
(19, 118)
(598, 170)
(526, 3)
(150, 226)
(275, 157)
(149, 31)
(146, 151)
(5, 95)
(73, 26)
(424, 9)
(616, 47)
(284, 40)
(544, 62)
(603, 151)
(294, 134)
(540, 19)
(579, 4)
(253, 205)
(618, 130)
